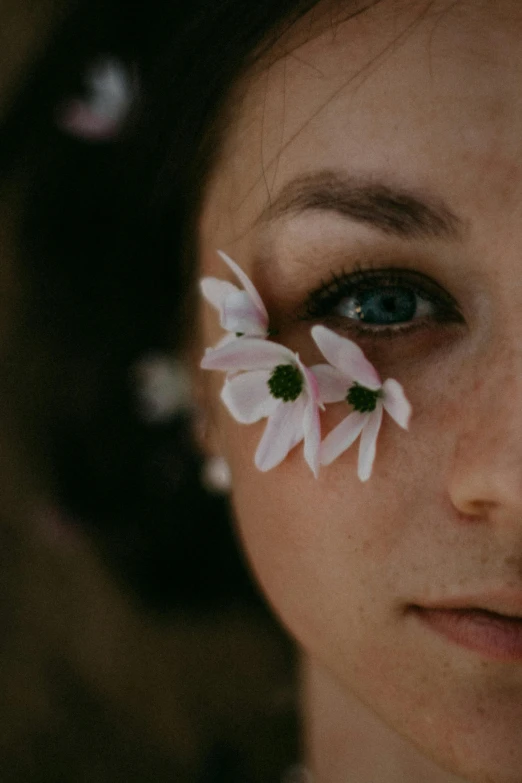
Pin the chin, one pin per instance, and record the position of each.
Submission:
(461, 713)
(485, 748)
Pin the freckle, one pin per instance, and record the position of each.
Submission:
(479, 382)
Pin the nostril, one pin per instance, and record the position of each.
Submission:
(473, 511)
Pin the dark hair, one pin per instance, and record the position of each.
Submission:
(105, 229)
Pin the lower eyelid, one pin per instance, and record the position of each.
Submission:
(360, 330)
(426, 323)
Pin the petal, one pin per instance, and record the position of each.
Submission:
(332, 384)
(342, 437)
(81, 119)
(239, 315)
(368, 444)
(247, 353)
(283, 431)
(247, 396)
(395, 403)
(247, 285)
(312, 435)
(216, 291)
(347, 357)
(311, 385)
(225, 340)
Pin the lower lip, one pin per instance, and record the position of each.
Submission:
(493, 636)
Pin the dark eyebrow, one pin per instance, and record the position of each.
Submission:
(392, 210)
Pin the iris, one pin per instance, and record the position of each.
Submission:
(390, 305)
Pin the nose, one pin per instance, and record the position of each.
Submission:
(486, 475)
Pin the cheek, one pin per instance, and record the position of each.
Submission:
(333, 553)
(326, 552)
(338, 560)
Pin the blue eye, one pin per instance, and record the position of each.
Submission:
(374, 299)
(384, 305)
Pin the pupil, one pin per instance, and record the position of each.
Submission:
(391, 306)
(285, 383)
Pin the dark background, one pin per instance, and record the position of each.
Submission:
(134, 645)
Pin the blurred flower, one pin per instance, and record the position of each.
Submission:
(163, 387)
(216, 475)
(100, 116)
(298, 774)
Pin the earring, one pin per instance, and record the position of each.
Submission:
(216, 477)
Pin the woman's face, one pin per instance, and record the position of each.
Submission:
(414, 109)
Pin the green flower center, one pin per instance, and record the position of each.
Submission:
(362, 399)
(286, 383)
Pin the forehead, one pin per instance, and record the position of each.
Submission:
(428, 92)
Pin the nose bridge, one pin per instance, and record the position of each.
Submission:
(496, 399)
(487, 469)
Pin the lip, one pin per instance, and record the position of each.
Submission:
(506, 602)
(495, 637)
(488, 624)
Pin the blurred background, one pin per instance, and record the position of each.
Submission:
(133, 645)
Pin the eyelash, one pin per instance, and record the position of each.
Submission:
(322, 302)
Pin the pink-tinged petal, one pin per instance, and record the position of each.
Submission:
(247, 396)
(225, 340)
(342, 436)
(312, 436)
(247, 285)
(368, 444)
(247, 353)
(332, 384)
(395, 403)
(283, 431)
(347, 357)
(239, 315)
(80, 119)
(216, 291)
(311, 385)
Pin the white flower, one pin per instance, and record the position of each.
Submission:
(100, 116)
(242, 312)
(163, 387)
(270, 381)
(350, 376)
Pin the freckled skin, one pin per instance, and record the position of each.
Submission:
(442, 513)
